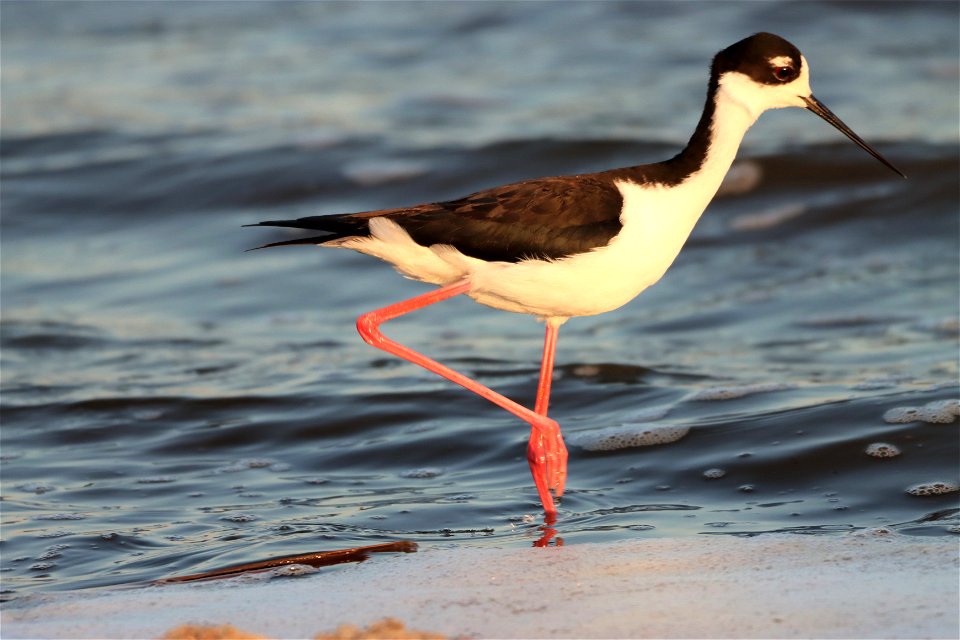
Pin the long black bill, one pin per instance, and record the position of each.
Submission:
(818, 108)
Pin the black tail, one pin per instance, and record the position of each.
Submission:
(336, 227)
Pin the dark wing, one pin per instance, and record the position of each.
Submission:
(540, 218)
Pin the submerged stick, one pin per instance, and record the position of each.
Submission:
(316, 559)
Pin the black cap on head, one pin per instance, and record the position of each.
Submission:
(753, 57)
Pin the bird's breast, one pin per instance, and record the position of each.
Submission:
(657, 220)
(656, 223)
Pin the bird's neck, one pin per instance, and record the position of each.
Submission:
(714, 144)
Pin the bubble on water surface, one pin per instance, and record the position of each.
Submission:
(882, 450)
(950, 406)
(522, 519)
(55, 551)
(240, 517)
(61, 516)
(899, 415)
(628, 435)
(876, 532)
(424, 473)
(42, 566)
(59, 533)
(714, 473)
(293, 571)
(935, 488)
(937, 412)
(38, 488)
(739, 391)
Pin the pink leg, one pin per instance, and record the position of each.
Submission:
(546, 449)
(369, 327)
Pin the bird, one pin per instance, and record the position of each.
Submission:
(574, 245)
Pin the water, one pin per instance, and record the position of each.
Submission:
(172, 403)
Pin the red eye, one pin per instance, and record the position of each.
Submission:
(783, 73)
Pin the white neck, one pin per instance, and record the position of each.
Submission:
(658, 219)
(731, 120)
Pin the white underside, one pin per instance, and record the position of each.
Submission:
(656, 223)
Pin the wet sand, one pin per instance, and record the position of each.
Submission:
(874, 584)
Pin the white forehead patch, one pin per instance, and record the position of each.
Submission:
(781, 61)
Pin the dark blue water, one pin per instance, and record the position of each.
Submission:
(171, 403)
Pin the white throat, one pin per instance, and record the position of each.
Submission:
(658, 219)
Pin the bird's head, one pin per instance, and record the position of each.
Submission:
(765, 72)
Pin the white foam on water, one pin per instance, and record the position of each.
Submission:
(950, 406)
(739, 391)
(882, 450)
(937, 412)
(935, 488)
(627, 435)
(423, 473)
(53, 552)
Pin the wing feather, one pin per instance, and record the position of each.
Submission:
(542, 218)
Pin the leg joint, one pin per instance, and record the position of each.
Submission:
(368, 325)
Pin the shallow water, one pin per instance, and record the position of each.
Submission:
(171, 403)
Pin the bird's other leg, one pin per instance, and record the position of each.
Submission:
(369, 327)
(546, 451)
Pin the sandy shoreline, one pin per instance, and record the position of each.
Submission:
(862, 585)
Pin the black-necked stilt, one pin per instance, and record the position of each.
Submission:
(571, 245)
